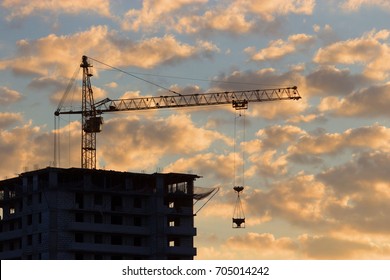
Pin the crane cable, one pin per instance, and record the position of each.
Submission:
(242, 144)
(134, 76)
(238, 220)
(57, 125)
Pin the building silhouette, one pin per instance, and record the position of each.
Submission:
(75, 213)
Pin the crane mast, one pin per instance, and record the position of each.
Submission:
(91, 112)
(91, 122)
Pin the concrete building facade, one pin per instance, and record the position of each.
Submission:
(56, 213)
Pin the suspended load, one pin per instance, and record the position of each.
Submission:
(238, 214)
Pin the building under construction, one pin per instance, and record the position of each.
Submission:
(76, 213)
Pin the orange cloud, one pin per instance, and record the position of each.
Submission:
(9, 96)
(278, 49)
(248, 246)
(327, 247)
(368, 50)
(9, 119)
(330, 80)
(24, 146)
(268, 9)
(354, 5)
(210, 165)
(279, 109)
(140, 143)
(307, 118)
(299, 200)
(366, 102)
(229, 19)
(23, 8)
(40, 57)
(360, 193)
(190, 16)
(154, 11)
(259, 246)
(277, 135)
(373, 137)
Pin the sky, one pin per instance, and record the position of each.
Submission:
(315, 171)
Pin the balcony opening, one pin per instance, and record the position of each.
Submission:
(98, 199)
(116, 220)
(137, 202)
(79, 200)
(137, 221)
(116, 203)
(98, 238)
(137, 241)
(79, 217)
(98, 218)
(116, 240)
(79, 237)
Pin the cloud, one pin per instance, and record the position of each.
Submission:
(248, 246)
(193, 16)
(154, 11)
(363, 172)
(370, 50)
(299, 200)
(209, 165)
(279, 109)
(252, 242)
(329, 80)
(232, 18)
(365, 102)
(319, 118)
(140, 144)
(269, 9)
(279, 48)
(9, 96)
(273, 137)
(54, 54)
(73, 98)
(264, 151)
(326, 33)
(9, 119)
(369, 137)
(268, 165)
(327, 247)
(349, 197)
(111, 85)
(23, 146)
(257, 246)
(22, 8)
(263, 78)
(361, 192)
(229, 21)
(47, 82)
(354, 5)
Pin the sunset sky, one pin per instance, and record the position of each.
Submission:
(316, 171)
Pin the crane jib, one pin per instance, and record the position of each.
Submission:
(205, 99)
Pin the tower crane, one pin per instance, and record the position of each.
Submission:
(91, 111)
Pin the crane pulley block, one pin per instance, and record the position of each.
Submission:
(240, 104)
